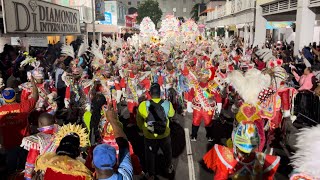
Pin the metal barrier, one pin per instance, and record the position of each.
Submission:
(307, 107)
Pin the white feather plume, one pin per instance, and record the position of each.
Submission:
(307, 158)
(82, 49)
(97, 53)
(216, 50)
(250, 84)
(68, 50)
(265, 54)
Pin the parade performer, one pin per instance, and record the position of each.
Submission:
(206, 101)
(103, 77)
(77, 98)
(39, 143)
(47, 91)
(137, 83)
(253, 88)
(171, 83)
(242, 161)
(306, 159)
(63, 164)
(280, 104)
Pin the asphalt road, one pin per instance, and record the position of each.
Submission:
(188, 163)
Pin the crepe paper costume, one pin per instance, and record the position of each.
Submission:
(47, 91)
(54, 166)
(226, 163)
(38, 144)
(206, 101)
(62, 167)
(137, 86)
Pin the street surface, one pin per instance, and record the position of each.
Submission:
(188, 164)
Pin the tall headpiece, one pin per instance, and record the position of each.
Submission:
(72, 128)
(68, 50)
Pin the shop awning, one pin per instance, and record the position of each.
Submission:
(104, 28)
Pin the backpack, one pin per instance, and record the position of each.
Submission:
(157, 118)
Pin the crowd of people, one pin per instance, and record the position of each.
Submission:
(62, 110)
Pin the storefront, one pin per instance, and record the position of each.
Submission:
(38, 23)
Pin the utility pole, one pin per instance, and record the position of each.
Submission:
(93, 22)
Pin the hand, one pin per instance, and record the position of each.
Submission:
(110, 114)
(29, 75)
(32, 80)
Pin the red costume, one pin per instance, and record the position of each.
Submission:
(36, 145)
(136, 86)
(258, 166)
(47, 93)
(199, 112)
(14, 122)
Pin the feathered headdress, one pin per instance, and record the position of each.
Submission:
(250, 84)
(306, 160)
(82, 49)
(265, 55)
(98, 60)
(72, 128)
(68, 50)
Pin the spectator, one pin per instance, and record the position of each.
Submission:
(306, 81)
(14, 125)
(150, 117)
(104, 156)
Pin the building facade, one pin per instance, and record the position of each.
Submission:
(295, 21)
(180, 8)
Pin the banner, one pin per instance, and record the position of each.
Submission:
(278, 25)
(100, 10)
(107, 18)
(39, 17)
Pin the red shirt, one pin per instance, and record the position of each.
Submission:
(14, 122)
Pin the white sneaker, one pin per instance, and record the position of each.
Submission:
(193, 139)
(210, 139)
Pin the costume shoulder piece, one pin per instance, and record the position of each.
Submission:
(220, 155)
(30, 142)
(271, 163)
(62, 164)
(87, 82)
(25, 86)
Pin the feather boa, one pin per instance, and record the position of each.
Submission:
(250, 84)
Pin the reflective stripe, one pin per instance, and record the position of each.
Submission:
(274, 164)
(221, 158)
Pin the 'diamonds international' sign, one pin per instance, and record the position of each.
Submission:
(39, 17)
